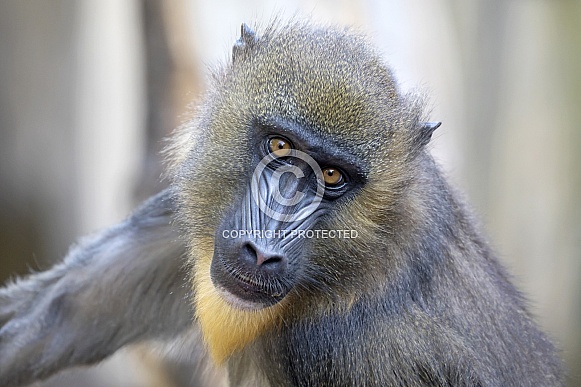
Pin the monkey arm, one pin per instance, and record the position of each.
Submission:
(123, 285)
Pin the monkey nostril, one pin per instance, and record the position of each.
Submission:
(248, 254)
(253, 256)
(263, 259)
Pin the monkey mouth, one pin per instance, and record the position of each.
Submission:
(238, 299)
(246, 291)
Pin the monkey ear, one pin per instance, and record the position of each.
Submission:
(247, 39)
(425, 132)
(124, 285)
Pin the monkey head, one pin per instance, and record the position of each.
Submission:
(304, 137)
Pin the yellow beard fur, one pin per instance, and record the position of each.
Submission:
(226, 329)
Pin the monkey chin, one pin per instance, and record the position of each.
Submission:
(229, 321)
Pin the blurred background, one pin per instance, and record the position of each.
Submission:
(88, 90)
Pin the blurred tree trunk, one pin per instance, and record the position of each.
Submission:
(172, 79)
(36, 131)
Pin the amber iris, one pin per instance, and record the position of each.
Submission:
(279, 146)
(332, 176)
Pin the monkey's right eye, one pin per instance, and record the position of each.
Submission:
(279, 146)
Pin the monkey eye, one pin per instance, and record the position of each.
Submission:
(279, 146)
(332, 176)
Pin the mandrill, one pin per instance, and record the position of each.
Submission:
(307, 239)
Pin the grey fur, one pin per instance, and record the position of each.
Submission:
(123, 285)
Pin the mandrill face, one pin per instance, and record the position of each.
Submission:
(261, 244)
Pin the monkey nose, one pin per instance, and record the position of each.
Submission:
(262, 259)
